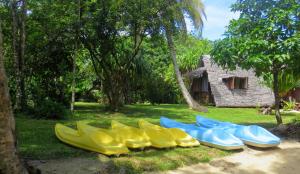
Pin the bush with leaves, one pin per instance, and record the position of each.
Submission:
(49, 109)
(289, 105)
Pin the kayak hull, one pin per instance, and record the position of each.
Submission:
(89, 140)
(252, 135)
(106, 138)
(210, 137)
(260, 145)
(222, 147)
(130, 136)
(183, 139)
(159, 137)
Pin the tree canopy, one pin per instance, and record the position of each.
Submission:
(118, 49)
(265, 38)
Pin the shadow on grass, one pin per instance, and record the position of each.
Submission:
(139, 111)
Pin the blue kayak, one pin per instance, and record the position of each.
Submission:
(213, 137)
(251, 135)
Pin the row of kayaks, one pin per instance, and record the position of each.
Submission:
(120, 137)
(225, 135)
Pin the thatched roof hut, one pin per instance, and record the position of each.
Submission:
(225, 88)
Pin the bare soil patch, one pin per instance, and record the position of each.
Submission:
(100, 165)
(288, 131)
(281, 160)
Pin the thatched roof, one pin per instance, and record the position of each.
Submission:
(255, 94)
(197, 73)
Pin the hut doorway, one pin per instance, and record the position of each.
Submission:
(201, 90)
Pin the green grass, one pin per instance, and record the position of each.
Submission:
(37, 140)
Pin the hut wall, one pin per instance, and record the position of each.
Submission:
(294, 94)
(256, 94)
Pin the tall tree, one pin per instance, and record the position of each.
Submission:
(9, 161)
(18, 47)
(265, 38)
(77, 39)
(173, 21)
(113, 34)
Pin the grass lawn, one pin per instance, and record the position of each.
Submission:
(37, 140)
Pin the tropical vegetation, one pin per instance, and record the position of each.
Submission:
(266, 39)
(126, 60)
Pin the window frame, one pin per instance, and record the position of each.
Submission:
(235, 82)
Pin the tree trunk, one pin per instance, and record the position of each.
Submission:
(113, 90)
(78, 10)
(277, 98)
(18, 48)
(22, 52)
(187, 96)
(73, 80)
(18, 104)
(9, 161)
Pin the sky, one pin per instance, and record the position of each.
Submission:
(218, 15)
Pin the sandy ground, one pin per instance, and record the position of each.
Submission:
(284, 159)
(74, 166)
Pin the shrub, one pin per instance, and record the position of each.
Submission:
(49, 109)
(289, 105)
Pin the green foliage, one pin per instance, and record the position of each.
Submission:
(296, 121)
(113, 34)
(175, 11)
(289, 105)
(264, 38)
(155, 88)
(287, 81)
(123, 53)
(49, 109)
(49, 46)
(190, 50)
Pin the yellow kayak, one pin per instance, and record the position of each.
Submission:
(130, 136)
(97, 141)
(160, 137)
(108, 138)
(183, 139)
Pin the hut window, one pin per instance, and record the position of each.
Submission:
(236, 82)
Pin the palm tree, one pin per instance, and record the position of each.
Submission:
(9, 161)
(173, 20)
(287, 80)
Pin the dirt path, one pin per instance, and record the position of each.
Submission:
(285, 159)
(282, 160)
(74, 166)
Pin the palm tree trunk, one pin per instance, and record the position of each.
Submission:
(9, 161)
(187, 96)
